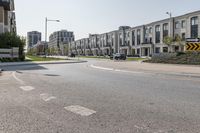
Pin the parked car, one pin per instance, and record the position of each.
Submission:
(72, 55)
(118, 56)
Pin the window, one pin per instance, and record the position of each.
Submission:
(157, 49)
(183, 24)
(165, 49)
(177, 24)
(146, 31)
(157, 28)
(158, 34)
(138, 37)
(150, 40)
(165, 26)
(194, 21)
(194, 27)
(138, 32)
(120, 39)
(183, 36)
(133, 37)
(150, 30)
(176, 48)
(165, 30)
(138, 51)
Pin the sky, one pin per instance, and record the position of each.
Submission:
(94, 16)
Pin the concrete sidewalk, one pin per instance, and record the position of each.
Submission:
(187, 70)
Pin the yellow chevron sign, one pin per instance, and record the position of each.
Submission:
(193, 46)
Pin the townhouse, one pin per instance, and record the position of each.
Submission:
(7, 16)
(147, 39)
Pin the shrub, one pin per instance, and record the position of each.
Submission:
(9, 40)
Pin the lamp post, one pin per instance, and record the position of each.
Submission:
(170, 16)
(169, 13)
(46, 22)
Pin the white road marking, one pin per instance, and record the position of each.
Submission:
(116, 70)
(19, 80)
(46, 97)
(27, 88)
(102, 68)
(80, 110)
(125, 71)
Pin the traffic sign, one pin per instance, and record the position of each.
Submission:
(192, 40)
(193, 46)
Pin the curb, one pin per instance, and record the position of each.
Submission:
(42, 63)
(190, 75)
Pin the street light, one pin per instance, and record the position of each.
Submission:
(46, 21)
(169, 13)
(170, 16)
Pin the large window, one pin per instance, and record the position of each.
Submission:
(183, 24)
(194, 27)
(194, 21)
(158, 34)
(165, 29)
(120, 39)
(138, 37)
(150, 30)
(133, 37)
(146, 31)
(177, 24)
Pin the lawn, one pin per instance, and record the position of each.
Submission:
(94, 57)
(38, 58)
(135, 59)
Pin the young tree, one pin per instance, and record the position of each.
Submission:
(179, 41)
(168, 41)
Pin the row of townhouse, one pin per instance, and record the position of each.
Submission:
(143, 40)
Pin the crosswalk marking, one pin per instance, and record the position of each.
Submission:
(80, 110)
(46, 97)
(27, 88)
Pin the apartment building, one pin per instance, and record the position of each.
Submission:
(147, 39)
(7, 16)
(33, 37)
(59, 41)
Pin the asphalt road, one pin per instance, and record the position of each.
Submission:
(75, 98)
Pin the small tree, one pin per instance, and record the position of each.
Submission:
(179, 41)
(168, 41)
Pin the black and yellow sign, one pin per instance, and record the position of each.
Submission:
(193, 46)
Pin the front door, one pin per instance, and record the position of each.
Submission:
(146, 52)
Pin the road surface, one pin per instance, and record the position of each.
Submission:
(76, 98)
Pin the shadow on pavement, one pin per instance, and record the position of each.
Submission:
(23, 67)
